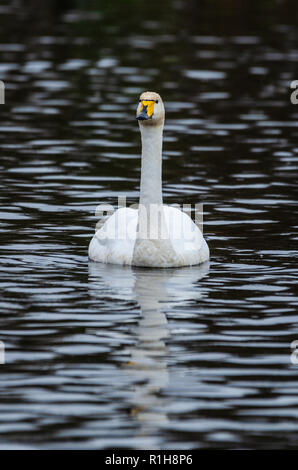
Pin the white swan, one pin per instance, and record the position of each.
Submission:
(154, 235)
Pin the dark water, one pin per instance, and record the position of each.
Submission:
(110, 357)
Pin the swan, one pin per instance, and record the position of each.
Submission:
(154, 234)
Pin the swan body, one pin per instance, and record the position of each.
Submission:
(154, 235)
(190, 250)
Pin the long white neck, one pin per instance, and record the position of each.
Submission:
(151, 170)
(153, 246)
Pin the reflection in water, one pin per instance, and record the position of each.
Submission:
(156, 291)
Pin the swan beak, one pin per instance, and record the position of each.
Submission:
(146, 111)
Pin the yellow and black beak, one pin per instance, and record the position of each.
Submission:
(146, 110)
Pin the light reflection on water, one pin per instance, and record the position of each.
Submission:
(107, 357)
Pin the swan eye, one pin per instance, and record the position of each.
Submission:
(156, 101)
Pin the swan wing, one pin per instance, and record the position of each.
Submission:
(114, 241)
(186, 237)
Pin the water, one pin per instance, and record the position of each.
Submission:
(111, 357)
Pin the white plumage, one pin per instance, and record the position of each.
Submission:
(190, 249)
(155, 235)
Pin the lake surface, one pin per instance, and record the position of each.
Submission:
(117, 357)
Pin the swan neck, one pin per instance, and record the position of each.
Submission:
(151, 168)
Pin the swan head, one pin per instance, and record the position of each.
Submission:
(150, 110)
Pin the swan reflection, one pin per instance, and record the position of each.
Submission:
(157, 292)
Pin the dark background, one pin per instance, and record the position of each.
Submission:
(111, 357)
